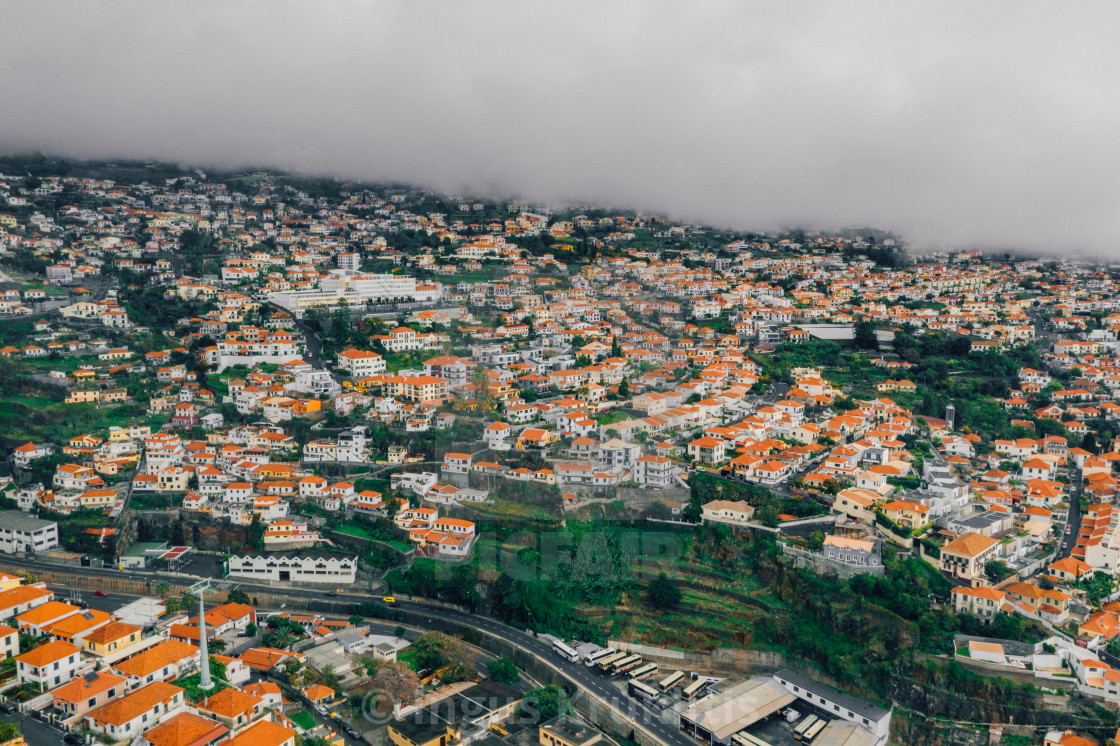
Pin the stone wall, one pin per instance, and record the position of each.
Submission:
(641, 497)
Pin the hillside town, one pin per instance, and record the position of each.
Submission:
(287, 386)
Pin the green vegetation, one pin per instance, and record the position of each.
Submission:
(504, 671)
(664, 593)
(547, 702)
(190, 683)
(303, 719)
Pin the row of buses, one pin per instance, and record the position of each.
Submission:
(611, 662)
(809, 728)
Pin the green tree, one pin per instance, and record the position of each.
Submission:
(816, 541)
(396, 682)
(547, 702)
(256, 533)
(480, 379)
(997, 570)
(237, 596)
(865, 338)
(504, 671)
(435, 650)
(664, 593)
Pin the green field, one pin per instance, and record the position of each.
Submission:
(407, 658)
(354, 529)
(303, 719)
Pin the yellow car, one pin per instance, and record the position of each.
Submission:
(389, 600)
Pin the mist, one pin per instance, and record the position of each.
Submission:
(955, 124)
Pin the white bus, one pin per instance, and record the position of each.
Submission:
(592, 658)
(805, 725)
(627, 663)
(670, 681)
(565, 652)
(692, 691)
(643, 671)
(606, 663)
(641, 691)
(746, 739)
(809, 735)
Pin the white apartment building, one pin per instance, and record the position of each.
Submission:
(361, 363)
(20, 533)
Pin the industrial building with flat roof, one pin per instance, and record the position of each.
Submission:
(751, 705)
(714, 719)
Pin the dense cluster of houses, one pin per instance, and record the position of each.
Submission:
(132, 675)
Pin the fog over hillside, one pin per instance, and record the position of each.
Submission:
(953, 123)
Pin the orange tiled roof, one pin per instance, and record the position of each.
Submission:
(131, 706)
(111, 632)
(155, 658)
(48, 653)
(186, 729)
(46, 612)
(263, 733)
(80, 688)
(229, 703)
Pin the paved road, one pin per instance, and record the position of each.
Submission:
(581, 677)
(313, 344)
(1069, 540)
(35, 732)
(110, 602)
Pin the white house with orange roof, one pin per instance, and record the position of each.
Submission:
(497, 435)
(421, 517)
(290, 534)
(50, 664)
(23, 455)
(456, 463)
(455, 527)
(965, 556)
(983, 601)
(707, 450)
(1070, 569)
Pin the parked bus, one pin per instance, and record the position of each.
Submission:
(606, 663)
(692, 691)
(627, 663)
(813, 732)
(806, 724)
(592, 658)
(643, 671)
(641, 691)
(671, 681)
(746, 739)
(565, 652)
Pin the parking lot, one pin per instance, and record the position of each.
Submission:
(202, 565)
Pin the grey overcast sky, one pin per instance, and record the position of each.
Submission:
(989, 124)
